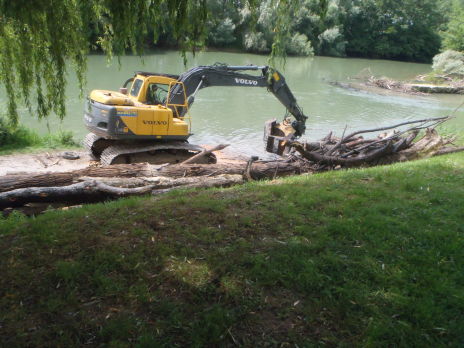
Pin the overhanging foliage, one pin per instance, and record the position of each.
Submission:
(40, 39)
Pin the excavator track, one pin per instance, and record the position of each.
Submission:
(170, 152)
(95, 145)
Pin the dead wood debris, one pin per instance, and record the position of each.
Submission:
(393, 145)
(93, 184)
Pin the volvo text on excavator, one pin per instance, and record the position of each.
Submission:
(150, 122)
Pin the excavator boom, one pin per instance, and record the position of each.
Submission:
(224, 75)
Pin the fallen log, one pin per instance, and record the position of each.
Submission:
(160, 182)
(95, 191)
(89, 191)
(258, 170)
(449, 150)
(426, 123)
(12, 182)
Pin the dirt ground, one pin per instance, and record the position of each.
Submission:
(52, 161)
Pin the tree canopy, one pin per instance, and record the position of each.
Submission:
(453, 36)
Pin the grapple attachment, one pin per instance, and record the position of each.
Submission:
(277, 136)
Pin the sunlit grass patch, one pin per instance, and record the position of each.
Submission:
(192, 272)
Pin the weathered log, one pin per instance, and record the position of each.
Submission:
(157, 182)
(208, 182)
(132, 179)
(11, 182)
(448, 150)
(89, 191)
(258, 170)
(95, 191)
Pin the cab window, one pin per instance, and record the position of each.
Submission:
(136, 88)
(157, 93)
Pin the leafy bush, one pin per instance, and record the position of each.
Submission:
(60, 139)
(222, 33)
(18, 137)
(332, 43)
(453, 36)
(255, 42)
(300, 45)
(449, 62)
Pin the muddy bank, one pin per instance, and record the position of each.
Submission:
(50, 161)
(53, 161)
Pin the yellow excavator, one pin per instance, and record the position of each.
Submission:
(150, 122)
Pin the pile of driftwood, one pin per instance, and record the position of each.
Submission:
(97, 183)
(392, 145)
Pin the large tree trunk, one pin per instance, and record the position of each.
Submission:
(97, 191)
(258, 170)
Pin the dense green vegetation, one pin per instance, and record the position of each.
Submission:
(369, 257)
(453, 35)
(406, 30)
(21, 138)
(450, 63)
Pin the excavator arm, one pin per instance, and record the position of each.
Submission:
(223, 75)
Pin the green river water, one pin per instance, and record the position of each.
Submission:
(236, 115)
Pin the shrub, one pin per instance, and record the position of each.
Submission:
(300, 45)
(332, 43)
(223, 33)
(255, 42)
(449, 62)
(18, 137)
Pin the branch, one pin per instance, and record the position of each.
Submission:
(88, 191)
(316, 157)
(204, 153)
(435, 120)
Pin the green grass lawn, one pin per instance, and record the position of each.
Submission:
(371, 257)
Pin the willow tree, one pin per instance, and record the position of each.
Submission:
(40, 40)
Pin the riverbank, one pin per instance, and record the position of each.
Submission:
(420, 85)
(357, 257)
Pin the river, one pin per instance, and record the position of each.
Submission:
(236, 115)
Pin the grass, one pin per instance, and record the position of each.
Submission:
(22, 139)
(369, 257)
